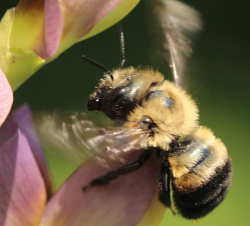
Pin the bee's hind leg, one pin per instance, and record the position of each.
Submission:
(128, 168)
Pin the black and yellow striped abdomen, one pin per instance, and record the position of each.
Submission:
(201, 174)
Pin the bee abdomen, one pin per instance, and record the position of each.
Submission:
(202, 200)
(201, 173)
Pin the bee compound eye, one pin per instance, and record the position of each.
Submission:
(116, 105)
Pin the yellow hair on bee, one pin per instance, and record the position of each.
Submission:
(179, 119)
(190, 175)
(123, 77)
(143, 78)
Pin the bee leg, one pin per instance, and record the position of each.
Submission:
(164, 188)
(164, 181)
(113, 174)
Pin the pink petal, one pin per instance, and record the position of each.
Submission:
(53, 27)
(22, 188)
(82, 15)
(37, 26)
(6, 97)
(22, 116)
(122, 202)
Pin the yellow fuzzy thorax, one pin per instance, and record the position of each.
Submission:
(176, 121)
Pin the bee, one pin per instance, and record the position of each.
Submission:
(155, 115)
(194, 163)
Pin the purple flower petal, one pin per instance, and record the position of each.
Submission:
(23, 118)
(6, 97)
(122, 202)
(22, 188)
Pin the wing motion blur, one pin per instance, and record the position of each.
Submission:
(79, 137)
(172, 26)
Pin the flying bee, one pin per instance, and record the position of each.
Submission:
(156, 115)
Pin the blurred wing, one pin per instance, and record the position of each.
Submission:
(173, 25)
(79, 137)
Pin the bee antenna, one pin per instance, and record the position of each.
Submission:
(98, 65)
(122, 45)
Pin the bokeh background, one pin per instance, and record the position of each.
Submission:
(219, 72)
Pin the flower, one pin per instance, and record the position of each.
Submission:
(6, 97)
(26, 188)
(33, 34)
(38, 31)
(25, 183)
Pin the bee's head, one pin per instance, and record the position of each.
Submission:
(167, 112)
(121, 90)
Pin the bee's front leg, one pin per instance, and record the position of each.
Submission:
(128, 168)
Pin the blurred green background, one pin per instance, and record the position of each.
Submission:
(220, 82)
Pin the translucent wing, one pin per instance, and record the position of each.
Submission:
(173, 25)
(80, 137)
